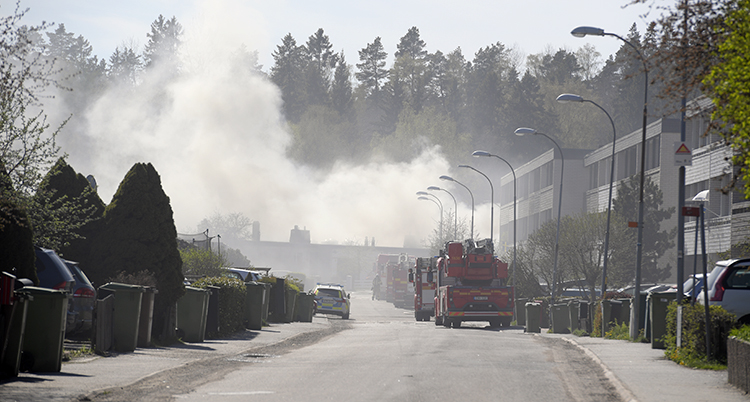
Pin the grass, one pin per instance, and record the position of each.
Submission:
(72, 354)
(621, 332)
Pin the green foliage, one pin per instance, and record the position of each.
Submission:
(742, 332)
(693, 347)
(138, 234)
(199, 262)
(621, 332)
(231, 303)
(17, 253)
(731, 88)
(66, 209)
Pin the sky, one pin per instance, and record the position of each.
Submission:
(529, 25)
(220, 143)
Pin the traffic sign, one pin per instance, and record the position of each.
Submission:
(682, 154)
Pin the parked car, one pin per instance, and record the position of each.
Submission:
(693, 285)
(52, 271)
(245, 274)
(729, 287)
(332, 299)
(81, 307)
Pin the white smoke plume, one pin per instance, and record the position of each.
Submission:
(219, 145)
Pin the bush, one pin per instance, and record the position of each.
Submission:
(231, 303)
(693, 347)
(742, 332)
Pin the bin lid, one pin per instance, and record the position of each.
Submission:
(35, 292)
(193, 289)
(115, 286)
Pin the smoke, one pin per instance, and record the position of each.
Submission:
(218, 140)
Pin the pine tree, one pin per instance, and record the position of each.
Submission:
(288, 73)
(139, 234)
(164, 42)
(372, 73)
(341, 90)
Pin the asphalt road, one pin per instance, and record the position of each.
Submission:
(382, 354)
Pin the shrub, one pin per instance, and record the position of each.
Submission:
(742, 332)
(231, 303)
(693, 347)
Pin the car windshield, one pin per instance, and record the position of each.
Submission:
(328, 293)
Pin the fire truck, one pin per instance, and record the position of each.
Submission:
(382, 268)
(472, 285)
(424, 288)
(398, 282)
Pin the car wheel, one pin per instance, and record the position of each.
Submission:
(345, 316)
(456, 323)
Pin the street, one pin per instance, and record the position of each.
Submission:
(383, 354)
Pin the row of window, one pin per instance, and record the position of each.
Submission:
(626, 163)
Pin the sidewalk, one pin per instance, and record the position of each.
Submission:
(86, 375)
(642, 374)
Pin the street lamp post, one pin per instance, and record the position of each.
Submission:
(455, 209)
(580, 32)
(439, 204)
(424, 194)
(568, 98)
(487, 154)
(521, 132)
(492, 201)
(448, 178)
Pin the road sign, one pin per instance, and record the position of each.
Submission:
(682, 154)
(691, 211)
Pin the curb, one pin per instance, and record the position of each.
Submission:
(621, 389)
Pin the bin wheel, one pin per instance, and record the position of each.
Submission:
(438, 320)
(27, 362)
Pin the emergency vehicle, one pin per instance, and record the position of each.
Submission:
(422, 277)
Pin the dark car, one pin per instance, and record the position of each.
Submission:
(52, 271)
(81, 307)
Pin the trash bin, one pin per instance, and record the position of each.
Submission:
(266, 300)
(584, 315)
(573, 310)
(192, 309)
(533, 317)
(14, 331)
(277, 303)
(560, 318)
(658, 316)
(624, 316)
(520, 311)
(304, 307)
(291, 299)
(45, 329)
(254, 305)
(127, 313)
(145, 322)
(212, 316)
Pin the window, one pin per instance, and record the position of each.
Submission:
(547, 172)
(593, 175)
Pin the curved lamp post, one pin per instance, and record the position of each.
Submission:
(455, 209)
(487, 154)
(571, 98)
(580, 32)
(448, 178)
(524, 131)
(440, 204)
(492, 201)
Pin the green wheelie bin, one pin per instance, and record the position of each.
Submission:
(16, 324)
(291, 299)
(45, 329)
(192, 312)
(574, 307)
(560, 318)
(533, 317)
(304, 307)
(254, 305)
(658, 317)
(126, 315)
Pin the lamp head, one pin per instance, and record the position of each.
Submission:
(424, 198)
(465, 166)
(521, 131)
(434, 188)
(447, 178)
(701, 197)
(480, 153)
(422, 193)
(580, 32)
(569, 98)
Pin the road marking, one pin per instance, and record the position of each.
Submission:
(242, 393)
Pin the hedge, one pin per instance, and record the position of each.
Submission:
(231, 303)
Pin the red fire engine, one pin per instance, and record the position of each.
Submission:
(472, 286)
(424, 288)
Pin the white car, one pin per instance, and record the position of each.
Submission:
(729, 287)
(332, 299)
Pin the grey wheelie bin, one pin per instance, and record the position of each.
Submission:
(126, 314)
(560, 318)
(254, 305)
(533, 317)
(192, 311)
(45, 329)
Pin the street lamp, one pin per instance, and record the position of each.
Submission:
(492, 201)
(571, 98)
(487, 154)
(424, 193)
(455, 209)
(521, 132)
(439, 204)
(580, 32)
(448, 178)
